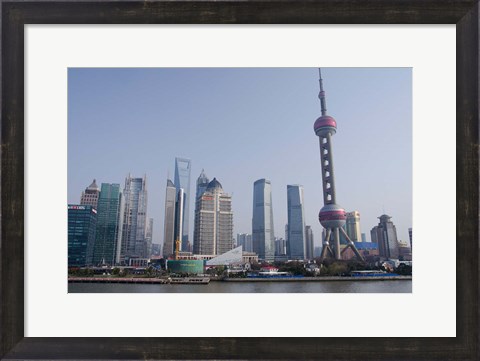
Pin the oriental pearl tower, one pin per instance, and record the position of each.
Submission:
(332, 217)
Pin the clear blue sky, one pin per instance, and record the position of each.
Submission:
(242, 124)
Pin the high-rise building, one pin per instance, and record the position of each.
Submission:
(385, 234)
(169, 220)
(82, 223)
(263, 238)
(296, 222)
(108, 239)
(148, 238)
(309, 254)
(182, 181)
(364, 237)
(280, 247)
(135, 217)
(213, 221)
(90, 195)
(353, 226)
(245, 240)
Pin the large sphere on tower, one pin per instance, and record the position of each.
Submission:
(324, 125)
(332, 216)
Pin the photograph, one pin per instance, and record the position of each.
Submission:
(240, 180)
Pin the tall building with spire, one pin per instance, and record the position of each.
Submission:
(169, 220)
(182, 181)
(108, 239)
(213, 221)
(332, 217)
(90, 195)
(296, 222)
(135, 217)
(202, 184)
(263, 238)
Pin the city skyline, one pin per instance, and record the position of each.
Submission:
(265, 118)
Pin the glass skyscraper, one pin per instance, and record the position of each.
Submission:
(135, 217)
(296, 222)
(263, 238)
(108, 239)
(169, 220)
(82, 222)
(182, 181)
(385, 234)
(309, 252)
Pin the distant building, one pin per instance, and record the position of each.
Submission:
(385, 234)
(309, 243)
(169, 220)
(213, 221)
(82, 224)
(148, 238)
(366, 249)
(317, 251)
(108, 240)
(90, 195)
(202, 184)
(262, 221)
(245, 240)
(410, 236)
(156, 250)
(135, 217)
(353, 226)
(280, 247)
(182, 181)
(296, 222)
(364, 237)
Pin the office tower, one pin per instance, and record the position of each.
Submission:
(364, 237)
(245, 240)
(169, 220)
(410, 237)
(280, 247)
(385, 234)
(332, 217)
(90, 195)
(213, 221)
(353, 226)
(82, 223)
(135, 217)
(309, 243)
(108, 240)
(148, 238)
(296, 222)
(178, 230)
(263, 238)
(182, 181)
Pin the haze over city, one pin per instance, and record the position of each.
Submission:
(243, 124)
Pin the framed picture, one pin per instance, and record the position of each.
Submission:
(22, 39)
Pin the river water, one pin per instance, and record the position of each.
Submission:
(403, 286)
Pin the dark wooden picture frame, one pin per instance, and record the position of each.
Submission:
(463, 13)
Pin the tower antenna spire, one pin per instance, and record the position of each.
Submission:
(321, 95)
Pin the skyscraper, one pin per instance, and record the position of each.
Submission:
(135, 217)
(309, 253)
(148, 238)
(82, 223)
(332, 217)
(169, 220)
(353, 226)
(385, 234)
(90, 195)
(296, 222)
(245, 240)
(108, 239)
(213, 221)
(182, 181)
(263, 238)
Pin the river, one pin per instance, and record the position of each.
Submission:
(390, 286)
